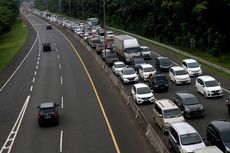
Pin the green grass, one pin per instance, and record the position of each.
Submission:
(11, 42)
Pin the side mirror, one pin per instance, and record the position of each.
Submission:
(56, 105)
(151, 90)
(219, 83)
(160, 115)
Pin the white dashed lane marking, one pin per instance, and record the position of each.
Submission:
(31, 88)
(62, 102)
(58, 57)
(35, 73)
(60, 66)
(33, 80)
(61, 80)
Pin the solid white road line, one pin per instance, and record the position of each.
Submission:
(21, 62)
(62, 102)
(7, 146)
(61, 141)
(60, 66)
(61, 81)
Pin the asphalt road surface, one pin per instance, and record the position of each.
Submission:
(92, 116)
(214, 107)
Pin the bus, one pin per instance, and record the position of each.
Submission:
(93, 21)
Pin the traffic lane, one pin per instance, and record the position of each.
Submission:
(177, 58)
(88, 130)
(127, 131)
(15, 92)
(46, 88)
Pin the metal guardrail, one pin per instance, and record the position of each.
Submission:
(175, 50)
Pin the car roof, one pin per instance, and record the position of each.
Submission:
(47, 105)
(177, 68)
(140, 85)
(206, 78)
(189, 60)
(183, 128)
(166, 104)
(162, 57)
(146, 65)
(128, 68)
(118, 62)
(221, 125)
(184, 94)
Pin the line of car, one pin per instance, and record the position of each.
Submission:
(169, 115)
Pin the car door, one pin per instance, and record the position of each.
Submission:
(174, 140)
(141, 71)
(159, 116)
(200, 86)
(184, 65)
(172, 75)
(133, 92)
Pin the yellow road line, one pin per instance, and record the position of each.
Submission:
(96, 93)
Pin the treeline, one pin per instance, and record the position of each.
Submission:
(8, 14)
(194, 24)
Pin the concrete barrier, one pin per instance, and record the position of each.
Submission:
(140, 117)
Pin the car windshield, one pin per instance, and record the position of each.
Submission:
(145, 50)
(46, 110)
(193, 65)
(112, 55)
(148, 69)
(139, 61)
(164, 62)
(101, 45)
(119, 65)
(190, 101)
(212, 83)
(171, 113)
(160, 78)
(132, 50)
(143, 90)
(181, 72)
(191, 138)
(129, 71)
(225, 135)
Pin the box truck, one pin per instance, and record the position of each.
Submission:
(126, 47)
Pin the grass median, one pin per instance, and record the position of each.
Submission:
(11, 42)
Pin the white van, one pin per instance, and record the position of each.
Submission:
(165, 112)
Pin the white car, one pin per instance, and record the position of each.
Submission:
(85, 36)
(208, 86)
(145, 70)
(183, 138)
(179, 75)
(141, 93)
(109, 34)
(128, 75)
(117, 67)
(146, 52)
(192, 67)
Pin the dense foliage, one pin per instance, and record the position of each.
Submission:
(8, 14)
(198, 24)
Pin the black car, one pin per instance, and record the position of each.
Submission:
(188, 104)
(159, 82)
(162, 63)
(110, 58)
(218, 134)
(46, 47)
(48, 113)
(48, 27)
(136, 62)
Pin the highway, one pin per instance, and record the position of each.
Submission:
(92, 116)
(214, 107)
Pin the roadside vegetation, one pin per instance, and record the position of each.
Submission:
(11, 42)
(200, 27)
